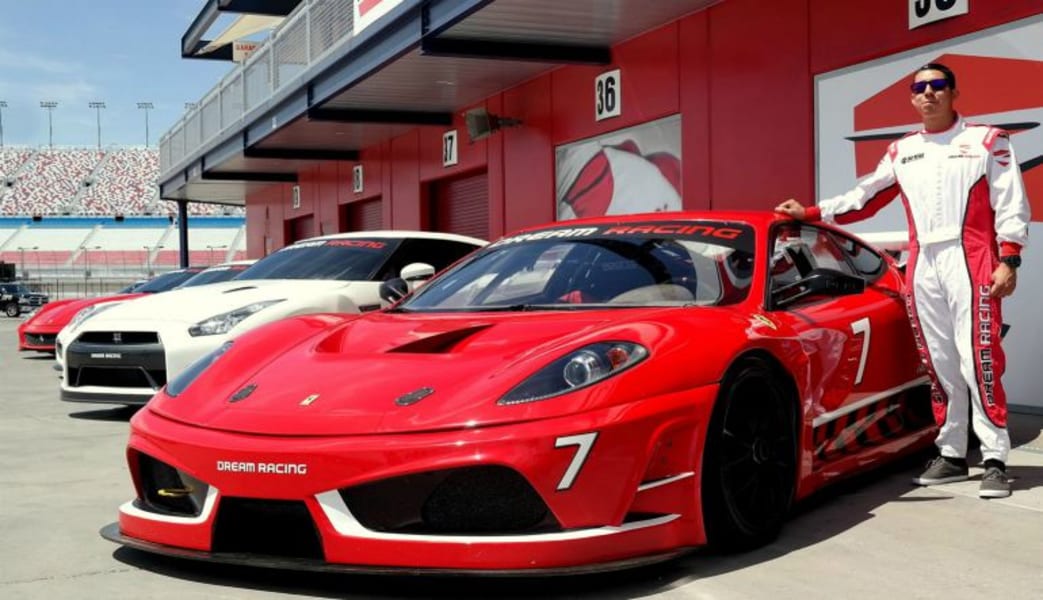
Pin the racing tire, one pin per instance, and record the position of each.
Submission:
(11, 309)
(750, 459)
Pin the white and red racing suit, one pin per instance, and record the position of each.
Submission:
(966, 206)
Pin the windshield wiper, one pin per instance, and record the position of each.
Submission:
(530, 307)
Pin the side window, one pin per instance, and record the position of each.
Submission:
(797, 249)
(825, 252)
(790, 257)
(437, 253)
(867, 264)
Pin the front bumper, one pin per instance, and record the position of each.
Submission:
(37, 340)
(112, 533)
(622, 508)
(125, 363)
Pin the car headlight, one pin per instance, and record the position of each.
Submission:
(185, 378)
(224, 322)
(88, 312)
(576, 370)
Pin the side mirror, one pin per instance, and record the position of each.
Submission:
(417, 272)
(818, 282)
(393, 290)
(410, 277)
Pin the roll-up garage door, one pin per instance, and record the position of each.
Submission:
(461, 206)
(300, 228)
(363, 216)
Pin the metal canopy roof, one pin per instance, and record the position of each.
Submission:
(192, 41)
(424, 61)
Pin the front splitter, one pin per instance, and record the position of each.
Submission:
(112, 533)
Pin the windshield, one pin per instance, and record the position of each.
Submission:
(166, 281)
(130, 288)
(214, 275)
(657, 264)
(352, 259)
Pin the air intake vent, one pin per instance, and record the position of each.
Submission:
(273, 527)
(484, 500)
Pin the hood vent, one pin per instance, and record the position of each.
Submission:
(441, 343)
(239, 289)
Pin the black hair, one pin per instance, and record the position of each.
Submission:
(944, 70)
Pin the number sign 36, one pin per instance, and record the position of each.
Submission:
(607, 95)
(922, 12)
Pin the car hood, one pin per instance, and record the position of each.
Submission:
(193, 304)
(392, 373)
(59, 313)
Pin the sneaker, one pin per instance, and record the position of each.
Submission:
(994, 483)
(942, 469)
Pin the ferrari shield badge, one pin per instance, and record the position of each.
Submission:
(761, 319)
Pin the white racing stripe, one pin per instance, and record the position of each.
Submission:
(848, 408)
(346, 524)
(208, 507)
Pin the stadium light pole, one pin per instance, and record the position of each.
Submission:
(21, 251)
(3, 105)
(97, 106)
(50, 105)
(146, 106)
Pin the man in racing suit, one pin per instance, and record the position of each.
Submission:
(968, 221)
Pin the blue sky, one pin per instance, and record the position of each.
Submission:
(120, 52)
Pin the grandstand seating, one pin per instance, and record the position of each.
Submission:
(88, 182)
(94, 215)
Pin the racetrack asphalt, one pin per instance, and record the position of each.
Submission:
(63, 475)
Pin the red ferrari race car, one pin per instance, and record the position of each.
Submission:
(38, 332)
(588, 395)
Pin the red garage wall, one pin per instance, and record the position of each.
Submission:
(846, 33)
(740, 76)
(761, 145)
(264, 219)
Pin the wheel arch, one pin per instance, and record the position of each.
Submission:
(722, 530)
(774, 365)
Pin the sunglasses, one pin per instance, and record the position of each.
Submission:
(937, 85)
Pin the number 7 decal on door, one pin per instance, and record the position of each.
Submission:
(857, 327)
(584, 442)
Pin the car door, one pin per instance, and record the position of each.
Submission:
(860, 349)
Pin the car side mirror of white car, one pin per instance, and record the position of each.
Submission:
(414, 272)
(409, 278)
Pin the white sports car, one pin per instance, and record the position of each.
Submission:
(126, 352)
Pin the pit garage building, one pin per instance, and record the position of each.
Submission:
(483, 116)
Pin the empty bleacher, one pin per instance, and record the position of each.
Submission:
(64, 247)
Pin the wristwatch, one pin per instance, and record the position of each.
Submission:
(1013, 261)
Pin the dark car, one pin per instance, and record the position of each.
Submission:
(15, 299)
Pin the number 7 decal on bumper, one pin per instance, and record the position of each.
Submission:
(583, 442)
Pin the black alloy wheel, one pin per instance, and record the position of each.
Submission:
(750, 463)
